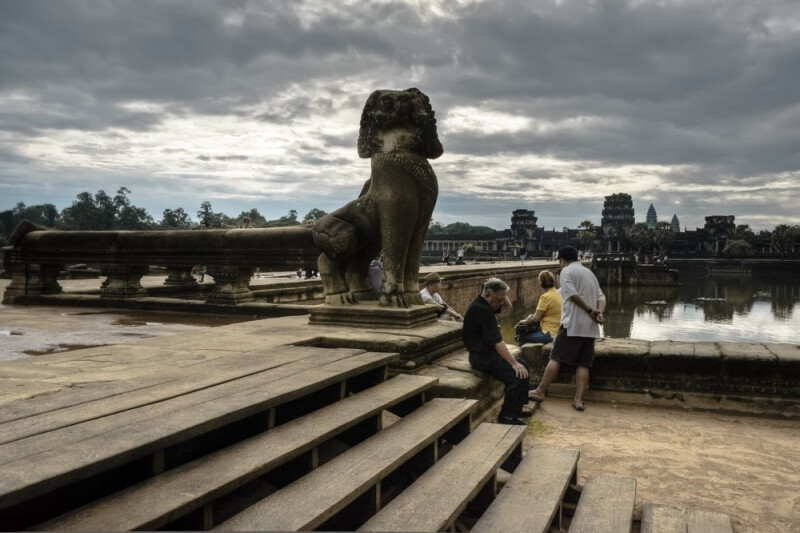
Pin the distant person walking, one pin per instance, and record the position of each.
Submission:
(522, 254)
(582, 309)
(488, 353)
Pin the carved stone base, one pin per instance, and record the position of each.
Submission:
(231, 285)
(180, 276)
(29, 280)
(123, 281)
(372, 315)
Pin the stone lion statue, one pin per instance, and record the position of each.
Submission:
(393, 210)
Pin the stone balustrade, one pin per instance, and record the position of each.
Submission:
(230, 256)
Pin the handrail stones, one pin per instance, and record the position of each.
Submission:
(36, 256)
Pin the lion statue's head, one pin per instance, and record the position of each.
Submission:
(409, 109)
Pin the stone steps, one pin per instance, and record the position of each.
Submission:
(65, 464)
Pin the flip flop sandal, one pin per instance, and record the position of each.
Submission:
(578, 406)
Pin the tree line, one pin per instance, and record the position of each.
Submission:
(100, 211)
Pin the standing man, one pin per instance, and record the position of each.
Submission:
(488, 353)
(582, 309)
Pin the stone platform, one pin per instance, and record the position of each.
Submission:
(370, 315)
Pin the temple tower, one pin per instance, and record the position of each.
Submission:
(652, 218)
(617, 220)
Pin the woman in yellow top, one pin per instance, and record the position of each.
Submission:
(548, 311)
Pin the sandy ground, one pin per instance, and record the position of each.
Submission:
(747, 467)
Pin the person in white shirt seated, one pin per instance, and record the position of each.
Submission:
(430, 295)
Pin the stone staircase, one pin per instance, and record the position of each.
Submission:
(308, 438)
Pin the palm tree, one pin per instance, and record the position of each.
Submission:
(587, 234)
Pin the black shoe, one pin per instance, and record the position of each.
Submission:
(510, 420)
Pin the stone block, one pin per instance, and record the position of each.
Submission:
(373, 316)
(620, 364)
(751, 360)
(628, 347)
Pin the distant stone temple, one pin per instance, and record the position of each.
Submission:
(617, 220)
(676, 225)
(523, 227)
(652, 218)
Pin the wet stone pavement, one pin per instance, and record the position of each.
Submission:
(29, 331)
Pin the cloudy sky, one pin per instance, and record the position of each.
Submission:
(547, 105)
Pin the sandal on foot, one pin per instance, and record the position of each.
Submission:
(532, 396)
(578, 406)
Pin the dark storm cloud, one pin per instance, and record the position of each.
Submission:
(706, 90)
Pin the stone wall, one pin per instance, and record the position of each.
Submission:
(460, 288)
(750, 377)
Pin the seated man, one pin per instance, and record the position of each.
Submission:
(488, 353)
(430, 295)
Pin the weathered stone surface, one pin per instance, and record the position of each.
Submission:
(622, 347)
(458, 361)
(707, 349)
(746, 351)
(464, 384)
(372, 315)
(671, 348)
(786, 353)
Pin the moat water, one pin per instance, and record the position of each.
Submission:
(758, 308)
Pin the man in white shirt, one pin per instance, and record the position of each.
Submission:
(430, 295)
(582, 309)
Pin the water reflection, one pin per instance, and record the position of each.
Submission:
(756, 309)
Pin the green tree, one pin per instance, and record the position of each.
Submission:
(102, 212)
(783, 237)
(744, 233)
(587, 233)
(470, 249)
(176, 219)
(287, 220)
(90, 212)
(737, 248)
(257, 220)
(43, 215)
(205, 215)
(641, 236)
(129, 217)
(315, 214)
(663, 236)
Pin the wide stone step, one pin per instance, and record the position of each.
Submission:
(435, 500)
(606, 505)
(317, 497)
(156, 502)
(532, 496)
(54, 471)
(658, 518)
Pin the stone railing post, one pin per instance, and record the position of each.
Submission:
(28, 279)
(231, 285)
(180, 276)
(123, 281)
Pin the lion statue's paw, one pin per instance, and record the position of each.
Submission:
(341, 298)
(394, 300)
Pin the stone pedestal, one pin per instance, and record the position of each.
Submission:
(180, 276)
(123, 281)
(373, 316)
(231, 285)
(29, 280)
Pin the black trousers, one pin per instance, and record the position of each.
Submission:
(516, 390)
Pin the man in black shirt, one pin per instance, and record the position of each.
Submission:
(488, 353)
